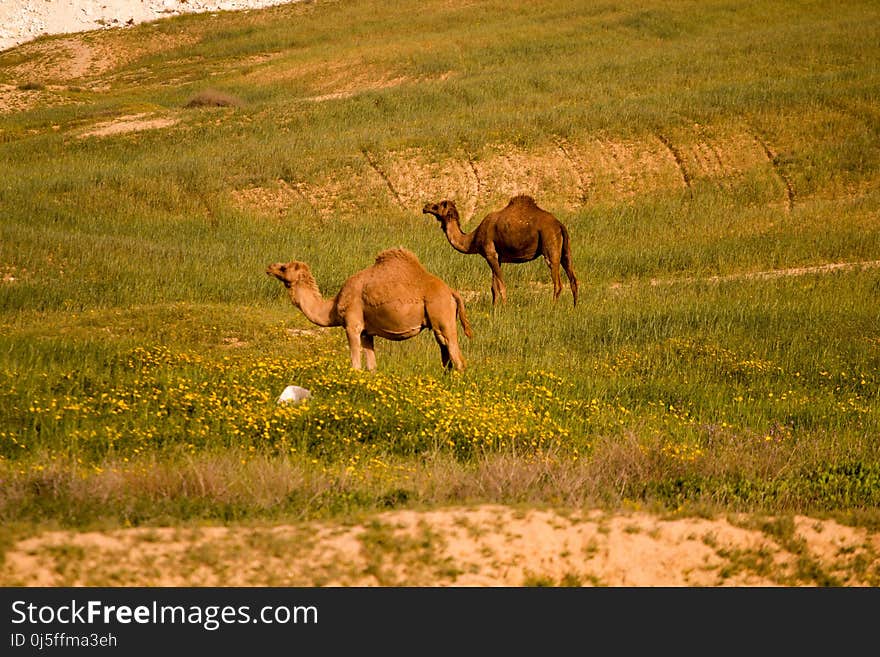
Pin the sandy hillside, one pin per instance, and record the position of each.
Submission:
(23, 20)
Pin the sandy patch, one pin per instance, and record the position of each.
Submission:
(420, 176)
(62, 60)
(130, 123)
(480, 546)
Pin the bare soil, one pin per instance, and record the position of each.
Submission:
(477, 546)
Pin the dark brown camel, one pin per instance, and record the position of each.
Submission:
(518, 233)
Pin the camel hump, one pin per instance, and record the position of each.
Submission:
(396, 276)
(397, 256)
(523, 200)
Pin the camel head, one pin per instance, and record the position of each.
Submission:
(291, 273)
(444, 211)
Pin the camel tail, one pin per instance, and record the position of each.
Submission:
(462, 316)
(565, 260)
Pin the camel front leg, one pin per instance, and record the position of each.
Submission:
(353, 333)
(369, 352)
(498, 287)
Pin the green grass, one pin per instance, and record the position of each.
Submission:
(143, 346)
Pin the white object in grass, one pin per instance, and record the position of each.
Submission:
(293, 394)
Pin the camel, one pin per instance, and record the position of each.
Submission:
(520, 232)
(395, 298)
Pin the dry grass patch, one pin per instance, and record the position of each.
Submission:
(338, 195)
(15, 98)
(333, 80)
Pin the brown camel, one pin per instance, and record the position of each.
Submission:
(520, 232)
(395, 299)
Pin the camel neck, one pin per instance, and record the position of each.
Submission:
(459, 240)
(317, 310)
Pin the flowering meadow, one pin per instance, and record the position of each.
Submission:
(682, 420)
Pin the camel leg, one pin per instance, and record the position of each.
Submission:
(369, 353)
(353, 333)
(565, 258)
(555, 276)
(499, 289)
(444, 354)
(572, 279)
(450, 352)
(442, 317)
(455, 354)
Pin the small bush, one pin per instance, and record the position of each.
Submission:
(214, 98)
(32, 86)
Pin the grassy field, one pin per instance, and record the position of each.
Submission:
(690, 148)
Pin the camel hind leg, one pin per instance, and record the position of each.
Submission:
(572, 281)
(450, 354)
(551, 247)
(444, 354)
(369, 351)
(566, 264)
(553, 264)
(443, 320)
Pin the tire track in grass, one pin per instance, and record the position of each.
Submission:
(375, 166)
(296, 189)
(478, 186)
(773, 159)
(686, 175)
(828, 268)
(566, 150)
(715, 164)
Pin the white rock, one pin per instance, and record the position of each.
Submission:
(293, 394)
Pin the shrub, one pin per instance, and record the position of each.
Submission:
(214, 98)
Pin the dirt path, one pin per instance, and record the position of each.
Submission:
(475, 546)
